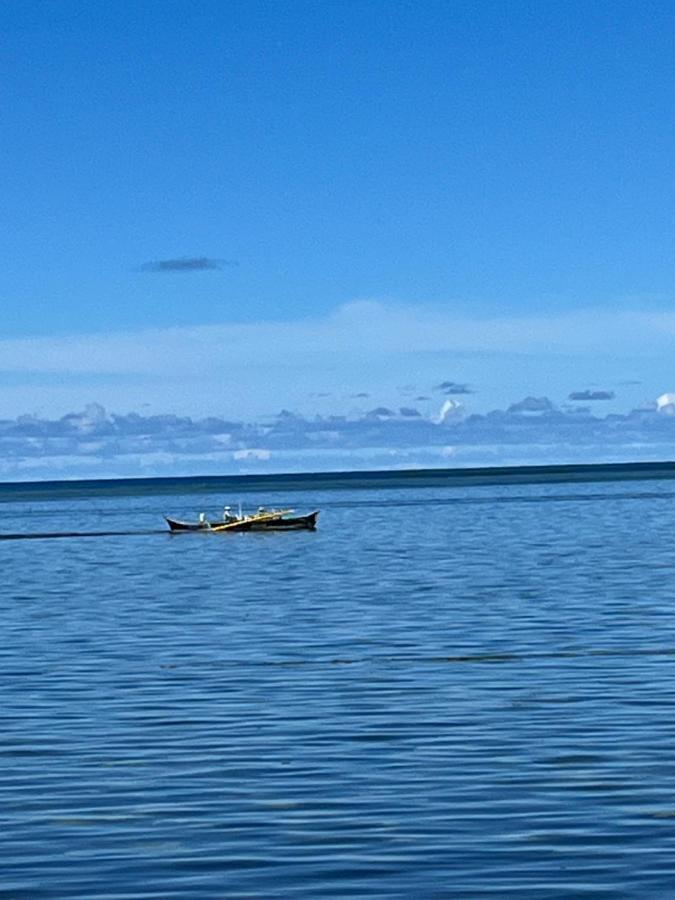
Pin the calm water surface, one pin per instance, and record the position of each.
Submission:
(443, 692)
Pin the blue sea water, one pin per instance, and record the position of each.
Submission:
(444, 691)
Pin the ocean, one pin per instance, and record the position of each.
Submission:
(461, 685)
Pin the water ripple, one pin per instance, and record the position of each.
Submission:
(473, 702)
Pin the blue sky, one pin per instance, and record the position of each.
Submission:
(392, 194)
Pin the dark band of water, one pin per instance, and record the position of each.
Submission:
(410, 478)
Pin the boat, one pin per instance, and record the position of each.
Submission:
(263, 520)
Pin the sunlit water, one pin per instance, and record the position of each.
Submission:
(442, 692)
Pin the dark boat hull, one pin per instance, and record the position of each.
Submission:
(177, 525)
(298, 523)
(282, 523)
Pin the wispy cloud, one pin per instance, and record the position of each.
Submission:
(531, 405)
(357, 348)
(591, 395)
(186, 264)
(453, 387)
(347, 333)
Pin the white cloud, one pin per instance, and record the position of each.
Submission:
(666, 404)
(451, 409)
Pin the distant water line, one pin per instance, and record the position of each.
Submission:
(400, 479)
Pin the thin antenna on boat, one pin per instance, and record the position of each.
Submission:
(240, 516)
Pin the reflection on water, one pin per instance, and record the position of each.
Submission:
(440, 692)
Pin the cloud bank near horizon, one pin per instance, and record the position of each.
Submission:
(94, 443)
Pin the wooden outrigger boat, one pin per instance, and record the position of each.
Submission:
(269, 520)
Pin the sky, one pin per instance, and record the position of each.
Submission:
(235, 208)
